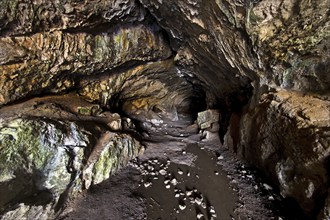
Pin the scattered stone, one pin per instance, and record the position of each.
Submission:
(199, 216)
(220, 157)
(147, 184)
(198, 201)
(271, 198)
(177, 195)
(180, 172)
(267, 187)
(174, 182)
(167, 186)
(216, 172)
(212, 210)
(162, 172)
(182, 207)
(189, 193)
(188, 174)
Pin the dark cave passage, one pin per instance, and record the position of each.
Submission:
(152, 109)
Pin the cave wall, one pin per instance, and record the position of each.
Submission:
(281, 48)
(107, 51)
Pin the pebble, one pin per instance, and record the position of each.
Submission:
(167, 186)
(198, 201)
(166, 181)
(177, 195)
(200, 215)
(189, 193)
(212, 210)
(216, 172)
(162, 172)
(271, 198)
(184, 152)
(203, 205)
(267, 187)
(174, 182)
(182, 207)
(188, 174)
(147, 184)
(180, 172)
(220, 157)
(197, 176)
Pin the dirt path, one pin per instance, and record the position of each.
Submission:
(180, 177)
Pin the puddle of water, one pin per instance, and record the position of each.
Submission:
(188, 192)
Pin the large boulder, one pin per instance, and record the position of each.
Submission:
(42, 158)
(286, 134)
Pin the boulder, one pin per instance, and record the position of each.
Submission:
(208, 119)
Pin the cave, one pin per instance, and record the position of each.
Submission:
(152, 109)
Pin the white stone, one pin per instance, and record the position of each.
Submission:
(212, 210)
(147, 184)
(182, 207)
(267, 187)
(174, 182)
(198, 201)
(200, 215)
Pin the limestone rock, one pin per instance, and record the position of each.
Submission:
(39, 159)
(207, 119)
(25, 17)
(145, 92)
(287, 136)
(112, 152)
(54, 60)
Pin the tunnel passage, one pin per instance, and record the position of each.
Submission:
(151, 93)
(80, 80)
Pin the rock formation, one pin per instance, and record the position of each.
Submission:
(66, 66)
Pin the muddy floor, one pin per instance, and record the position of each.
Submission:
(182, 176)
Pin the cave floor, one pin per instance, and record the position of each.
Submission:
(179, 177)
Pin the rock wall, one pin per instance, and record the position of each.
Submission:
(55, 55)
(281, 49)
(150, 60)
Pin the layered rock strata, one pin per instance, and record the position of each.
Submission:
(152, 60)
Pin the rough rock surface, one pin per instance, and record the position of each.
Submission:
(42, 158)
(290, 143)
(277, 45)
(153, 60)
